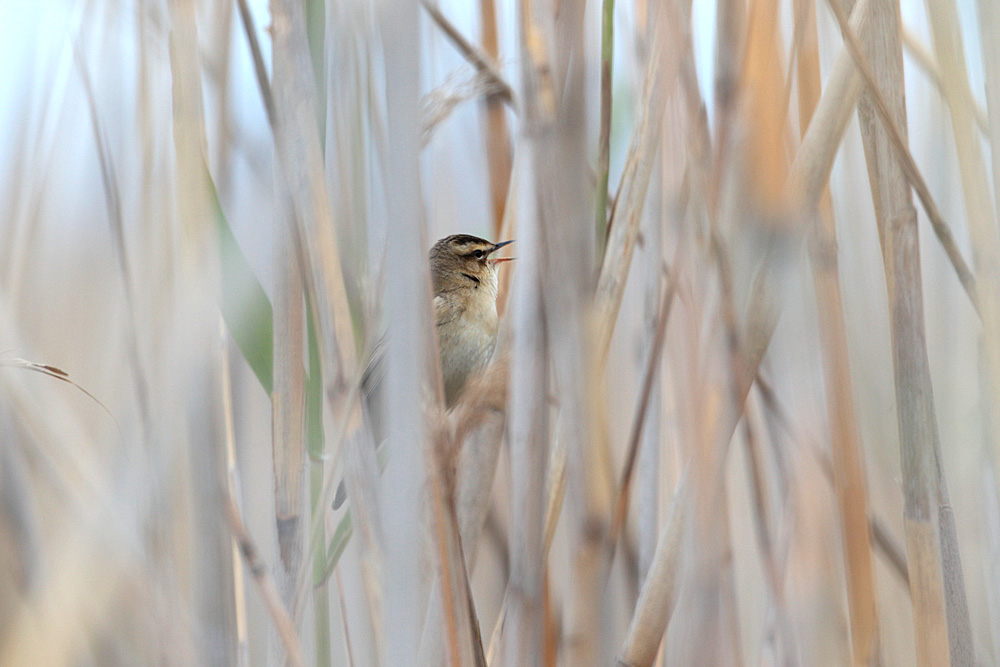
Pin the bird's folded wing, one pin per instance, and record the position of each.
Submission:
(445, 310)
(371, 395)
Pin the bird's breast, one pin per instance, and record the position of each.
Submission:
(466, 343)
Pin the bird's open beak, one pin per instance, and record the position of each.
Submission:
(498, 260)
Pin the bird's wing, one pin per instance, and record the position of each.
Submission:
(371, 393)
(445, 310)
(371, 380)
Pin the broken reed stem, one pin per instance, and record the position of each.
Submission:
(480, 60)
(931, 551)
(555, 489)
(265, 585)
(604, 140)
(848, 472)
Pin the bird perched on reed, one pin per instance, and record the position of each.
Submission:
(464, 279)
(465, 284)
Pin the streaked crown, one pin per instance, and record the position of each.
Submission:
(462, 260)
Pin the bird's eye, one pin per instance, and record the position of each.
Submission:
(478, 254)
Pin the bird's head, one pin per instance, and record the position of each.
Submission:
(463, 261)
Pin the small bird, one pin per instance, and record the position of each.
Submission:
(464, 279)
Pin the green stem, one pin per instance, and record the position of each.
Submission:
(604, 142)
(314, 436)
(316, 33)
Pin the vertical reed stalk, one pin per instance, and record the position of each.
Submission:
(927, 546)
(288, 399)
(986, 259)
(202, 458)
(288, 404)
(658, 595)
(314, 439)
(299, 155)
(232, 494)
(979, 211)
(848, 470)
(498, 153)
(989, 28)
(316, 36)
(810, 171)
(523, 639)
(554, 67)
(528, 451)
(989, 39)
(604, 140)
(407, 299)
(630, 200)
(302, 182)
